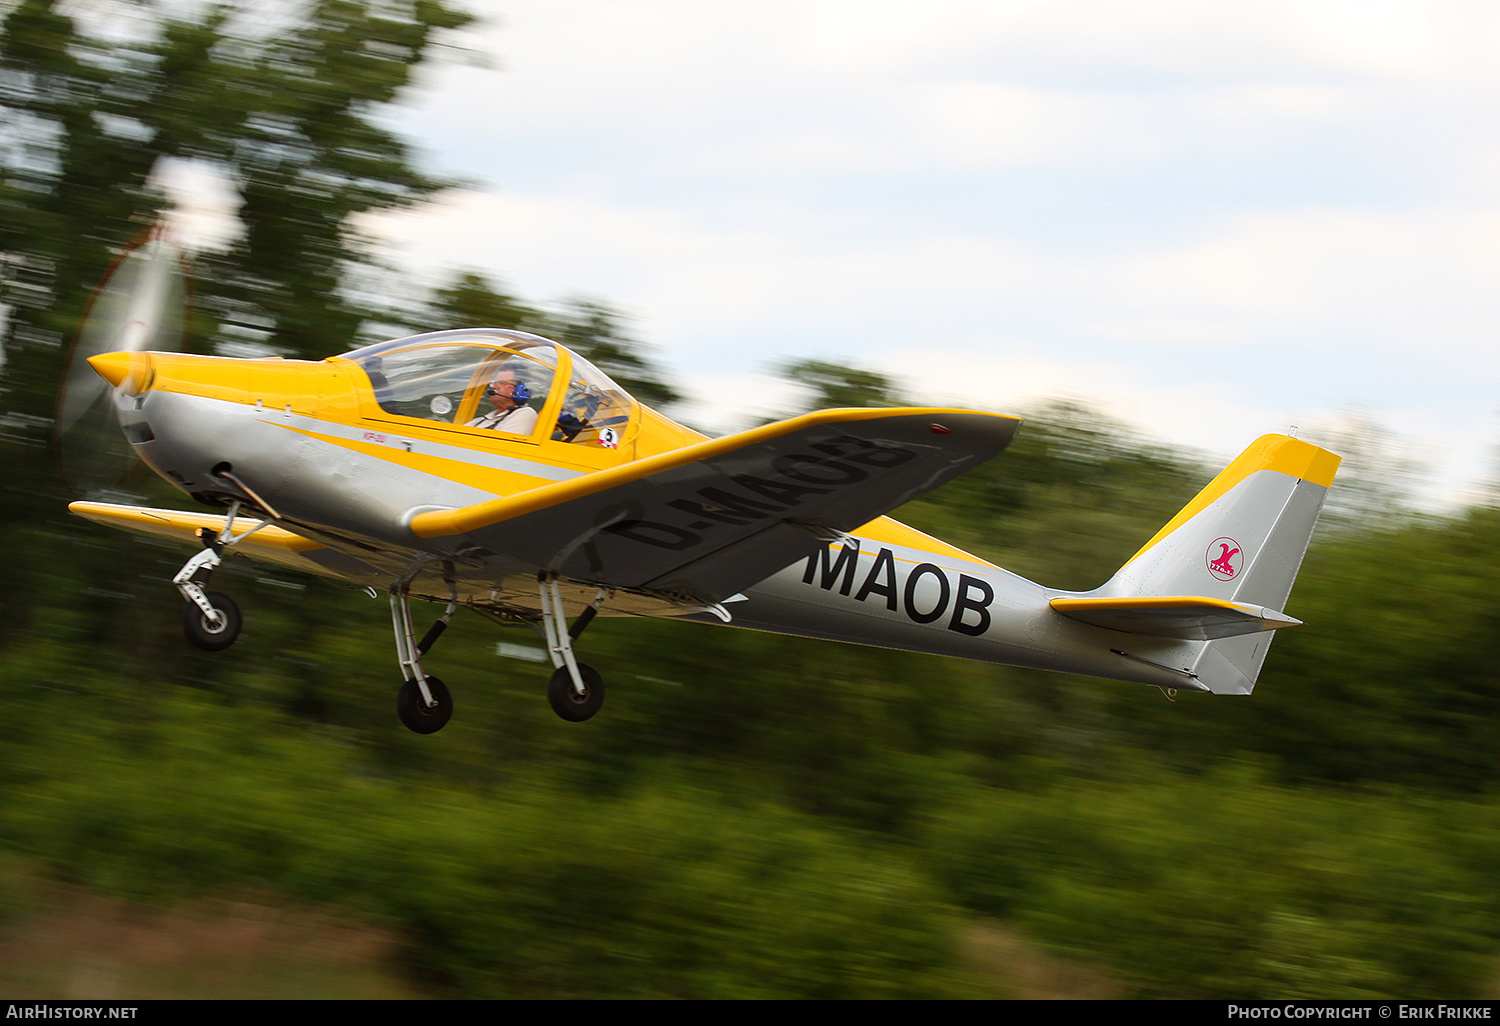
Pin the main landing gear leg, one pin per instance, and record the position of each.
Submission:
(423, 703)
(211, 619)
(575, 691)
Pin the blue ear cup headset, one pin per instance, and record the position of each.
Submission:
(521, 393)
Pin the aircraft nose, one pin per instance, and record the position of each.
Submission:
(130, 369)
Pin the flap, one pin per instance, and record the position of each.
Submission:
(1187, 617)
(714, 518)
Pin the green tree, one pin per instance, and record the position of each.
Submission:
(289, 120)
(600, 334)
(309, 156)
(839, 386)
(92, 104)
(473, 301)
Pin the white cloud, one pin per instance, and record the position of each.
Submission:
(1396, 279)
(1088, 198)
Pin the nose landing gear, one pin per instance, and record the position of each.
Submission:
(211, 620)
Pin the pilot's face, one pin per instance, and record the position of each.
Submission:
(502, 391)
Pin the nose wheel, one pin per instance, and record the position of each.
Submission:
(212, 633)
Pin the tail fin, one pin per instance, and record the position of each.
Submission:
(1240, 541)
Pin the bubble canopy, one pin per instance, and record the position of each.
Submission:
(498, 380)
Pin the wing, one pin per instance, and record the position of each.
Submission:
(711, 519)
(270, 544)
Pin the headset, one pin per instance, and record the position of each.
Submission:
(521, 393)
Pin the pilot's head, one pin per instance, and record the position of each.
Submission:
(507, 391)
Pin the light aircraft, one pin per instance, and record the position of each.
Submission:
(498, 471)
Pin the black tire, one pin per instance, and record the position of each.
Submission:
(415, 713)
(565, 699)
(213, 637)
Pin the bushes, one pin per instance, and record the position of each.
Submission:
(537, 891)
(1221, 885)
(1224, 886)
(755, 814)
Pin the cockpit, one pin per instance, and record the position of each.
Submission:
(522, 385)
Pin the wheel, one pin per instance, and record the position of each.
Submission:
(213, 637)
(415, 713)
(565, 699)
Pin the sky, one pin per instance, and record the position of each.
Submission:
(1208, 220)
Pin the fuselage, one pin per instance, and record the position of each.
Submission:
(346, 452)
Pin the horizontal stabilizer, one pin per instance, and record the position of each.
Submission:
(1186, 617)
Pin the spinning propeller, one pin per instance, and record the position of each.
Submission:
(136, 308)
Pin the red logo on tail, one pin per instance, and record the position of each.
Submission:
(1225, 558)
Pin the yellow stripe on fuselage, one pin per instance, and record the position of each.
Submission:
(893, 532)
(490, 479)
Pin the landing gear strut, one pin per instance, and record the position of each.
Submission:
(424, 703)
(576, 691)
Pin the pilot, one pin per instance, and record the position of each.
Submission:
(508, 395)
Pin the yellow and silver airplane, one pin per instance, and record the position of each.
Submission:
(499, 471)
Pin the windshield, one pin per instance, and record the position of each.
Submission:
(497, 381)
(595, 411)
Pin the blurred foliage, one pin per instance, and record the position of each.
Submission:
(835, 386)
(1227, 886)
(771, 816)
(751, 815)
(282, 103)
(94, 102)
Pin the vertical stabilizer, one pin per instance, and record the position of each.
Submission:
(1242, 540)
